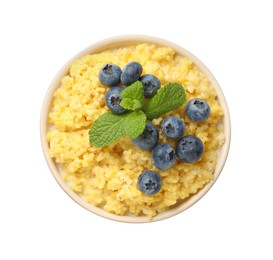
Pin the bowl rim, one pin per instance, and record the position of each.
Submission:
(119, 41)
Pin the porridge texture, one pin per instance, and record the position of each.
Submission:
(107, 177)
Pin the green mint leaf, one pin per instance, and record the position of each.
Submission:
(132, 96)
(130, 104)
(166, 99)
(134, 124)
(134, 91)
(109, 127)
(106, 129)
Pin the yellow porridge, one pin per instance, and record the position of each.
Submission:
(107, 177)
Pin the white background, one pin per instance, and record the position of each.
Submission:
(233, 221)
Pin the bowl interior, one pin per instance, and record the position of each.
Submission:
(122, 41)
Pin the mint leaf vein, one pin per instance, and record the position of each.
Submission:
(166, 99)
(109, 127)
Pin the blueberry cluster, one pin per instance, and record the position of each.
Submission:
(189, 149)
(111, 75)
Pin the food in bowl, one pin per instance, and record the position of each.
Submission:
(108, 177)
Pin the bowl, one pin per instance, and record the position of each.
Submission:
(120, 41)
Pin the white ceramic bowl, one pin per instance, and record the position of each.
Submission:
(122, 41)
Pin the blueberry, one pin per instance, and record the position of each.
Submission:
(113, 100)
(189, 149)
(173, 127)
(149, 182)
(131, 73)
(163, 156)
(109, 75)
(150, 85)
(197, 110)
(148, 139)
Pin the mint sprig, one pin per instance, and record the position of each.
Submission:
(110, 127)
